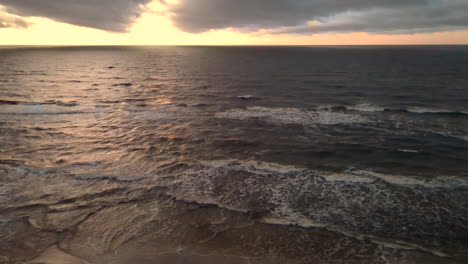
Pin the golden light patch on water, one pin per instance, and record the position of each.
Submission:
(162, 101)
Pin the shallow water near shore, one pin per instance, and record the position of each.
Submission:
(234, 155)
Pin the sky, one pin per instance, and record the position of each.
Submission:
(229, 22)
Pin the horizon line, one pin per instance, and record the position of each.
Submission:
(217, 45)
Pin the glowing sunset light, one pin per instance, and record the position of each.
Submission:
(220, 23)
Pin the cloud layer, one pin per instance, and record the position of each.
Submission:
(110, 15)
(264, 16)
(315, 16)
(9, 21)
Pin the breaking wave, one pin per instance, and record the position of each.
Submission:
(394, 208)
(411, 110)
(285, 116)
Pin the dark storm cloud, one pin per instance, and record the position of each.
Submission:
(110, 15)
(8, 21)
(295, 16)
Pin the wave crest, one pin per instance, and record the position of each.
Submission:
(354, 202)
(286, 116)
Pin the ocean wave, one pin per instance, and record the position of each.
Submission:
(448, 134)
(8, 102)
(367, 203)
(365, 108)
(365, 176)
(123, 84)
(408, 150)
(42, 109)
(385, 242)
(192, 105)
(422, 110)
(284, 116)
(248, 97)
(351, 175)
(252, 166)
(361, 205)
(50, 102)
(411, 110)
(106, 178)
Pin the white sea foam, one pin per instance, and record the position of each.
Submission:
(252, 166)
(281, 116)
(343, 177)
(408, 150)
(366, 108)
(350, 176)
(423, 110)
(247, 97)
(364, 176)
(339, 202)
(281, 185)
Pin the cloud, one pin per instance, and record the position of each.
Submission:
(318, 16)
(253, 16)
(109, 15)
(9, 21)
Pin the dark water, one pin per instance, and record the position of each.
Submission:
(234, 155)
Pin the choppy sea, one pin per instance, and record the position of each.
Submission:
(234, 154)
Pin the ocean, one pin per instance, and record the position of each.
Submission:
(192, 154)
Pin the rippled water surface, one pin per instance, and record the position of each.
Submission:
(234, 155)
